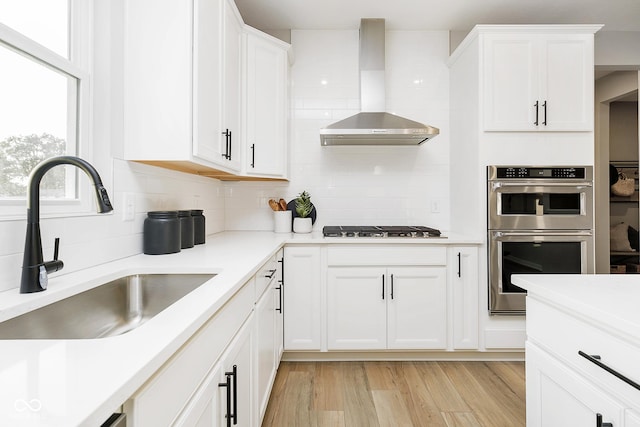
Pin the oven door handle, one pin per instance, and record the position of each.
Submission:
(537, 184)
(543, 233)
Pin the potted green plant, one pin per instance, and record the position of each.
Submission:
(303, 223)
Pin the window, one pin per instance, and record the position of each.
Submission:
(44, 100)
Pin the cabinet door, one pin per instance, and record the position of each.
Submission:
(510, 86)
(302, 304)
(558, 396)
(207, 80)
(265, 129)
(463, 277)
(356, 308)
(567, 82)
(202, 410)
(417, 308)
(157, 80)
(280, 288)
(231, 132)
(265, 346)
(237, 366)
(538, 82)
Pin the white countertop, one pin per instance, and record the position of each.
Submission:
(611, 301)
(81, 382)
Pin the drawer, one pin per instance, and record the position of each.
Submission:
(563, 335)
(383, 254)
(160, 400)
(266, 275)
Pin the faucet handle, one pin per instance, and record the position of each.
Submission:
(56, 247)
(56, 264)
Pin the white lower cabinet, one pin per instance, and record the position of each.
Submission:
(579, 372)
(375, 308)
(266, 345)
(223, 375)
(302, 302)
(558, 396)
(225, 397)
(462, 263)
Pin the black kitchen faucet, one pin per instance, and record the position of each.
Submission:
(34, 270)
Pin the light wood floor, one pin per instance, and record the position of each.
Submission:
(398, 394)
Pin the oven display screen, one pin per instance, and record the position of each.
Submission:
(541, 173)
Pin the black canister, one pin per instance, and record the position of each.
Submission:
(198, 226)
(186, 229)
(161, 233)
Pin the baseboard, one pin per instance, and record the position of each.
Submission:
(330, 356)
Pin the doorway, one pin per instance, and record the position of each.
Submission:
(617, 217)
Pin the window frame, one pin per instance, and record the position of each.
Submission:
(78, 66)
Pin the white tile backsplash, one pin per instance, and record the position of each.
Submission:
(360, 185)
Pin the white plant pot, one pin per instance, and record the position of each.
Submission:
(302, 225)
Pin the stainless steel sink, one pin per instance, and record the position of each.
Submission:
(113, 308)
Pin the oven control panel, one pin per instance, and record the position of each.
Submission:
(520, 172)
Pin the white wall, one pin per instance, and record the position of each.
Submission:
(360, 185)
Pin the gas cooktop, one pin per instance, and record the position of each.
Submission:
(379, 231)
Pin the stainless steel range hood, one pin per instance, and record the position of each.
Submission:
(373, 126)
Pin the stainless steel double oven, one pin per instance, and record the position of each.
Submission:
(540, 221)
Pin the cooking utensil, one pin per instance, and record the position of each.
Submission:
(274, 205)
(283, 204)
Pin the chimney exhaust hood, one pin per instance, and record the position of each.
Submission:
(373, 126)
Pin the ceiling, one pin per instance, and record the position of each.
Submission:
(455, 15)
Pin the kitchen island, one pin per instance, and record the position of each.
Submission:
(582, 350)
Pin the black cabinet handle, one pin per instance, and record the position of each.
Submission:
(227, 384)
(281, 261)
(279, 289)
(271, 273)
(599, 422)
(544, 106)
(230, 145)
(595, 359)
(536, 105)
(383, 286)
(234, 372)
(392, 286)
(227, 144)
(253, 155)
(459, 264)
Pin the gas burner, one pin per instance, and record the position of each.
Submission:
(402, 231)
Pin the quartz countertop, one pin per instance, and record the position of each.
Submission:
(81, 382)
(611, 301)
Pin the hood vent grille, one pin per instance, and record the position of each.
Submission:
(373, 126)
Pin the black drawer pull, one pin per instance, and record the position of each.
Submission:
(596, 361)
(271, 273)
(599, 422)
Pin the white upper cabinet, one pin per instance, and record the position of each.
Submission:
(537, 80)
(266, 105)
(217, 36)
(183, 79)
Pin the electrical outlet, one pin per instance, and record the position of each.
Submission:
(128, 207)
(435, 206)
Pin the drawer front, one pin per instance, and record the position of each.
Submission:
(390, 255)
(265, 275)
(163, 397)
(564, 335)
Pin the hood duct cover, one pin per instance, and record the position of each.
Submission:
(373, 126)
